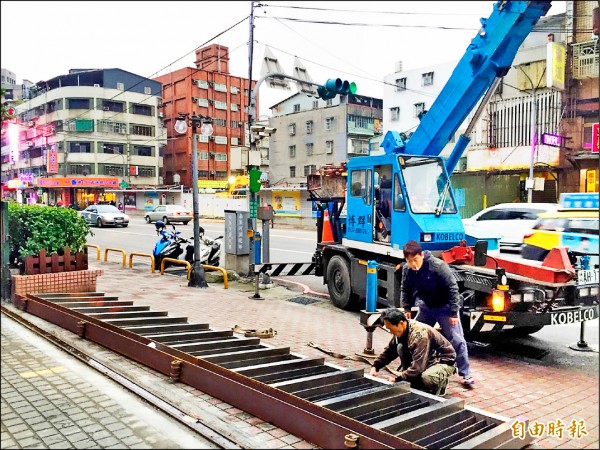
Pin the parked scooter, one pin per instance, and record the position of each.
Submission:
(210, 250)
(168, 246)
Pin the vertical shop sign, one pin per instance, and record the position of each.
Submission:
(52, 162)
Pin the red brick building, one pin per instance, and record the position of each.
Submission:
(207, 90)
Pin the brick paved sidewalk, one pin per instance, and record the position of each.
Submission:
(504, 386)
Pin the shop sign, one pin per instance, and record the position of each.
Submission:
(212, 184)
(554, 140)
(26, 177)
(52, 159)
(595, 138)
(78, 182)
(15, 183)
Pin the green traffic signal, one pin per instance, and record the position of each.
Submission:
(254, 180)
(335, 86)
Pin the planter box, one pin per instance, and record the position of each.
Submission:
(33, 265)
(74, 281)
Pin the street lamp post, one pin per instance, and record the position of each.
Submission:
(529, 182)
(206, 129)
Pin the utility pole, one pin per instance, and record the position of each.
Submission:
(529, 181)
(252, 197)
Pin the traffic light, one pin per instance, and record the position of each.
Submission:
(335, 86)
(254, 180)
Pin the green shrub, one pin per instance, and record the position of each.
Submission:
(34, 227)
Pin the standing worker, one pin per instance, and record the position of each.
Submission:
(428, 283)
(427, 358)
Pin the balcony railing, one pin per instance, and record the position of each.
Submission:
(585, 60)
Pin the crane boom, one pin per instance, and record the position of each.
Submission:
(490, 55)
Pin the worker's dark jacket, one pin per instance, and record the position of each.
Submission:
(433, 284)
(421, 348)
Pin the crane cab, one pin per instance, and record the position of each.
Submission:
(394, 198)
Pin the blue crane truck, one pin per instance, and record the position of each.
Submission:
(377, 203)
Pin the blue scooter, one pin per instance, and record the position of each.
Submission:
(168, 246)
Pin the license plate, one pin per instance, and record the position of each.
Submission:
(580, 315)
(587, 277)
(119, 219)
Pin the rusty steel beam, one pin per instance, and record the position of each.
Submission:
(316, 424)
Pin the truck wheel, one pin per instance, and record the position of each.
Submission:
(339, 285)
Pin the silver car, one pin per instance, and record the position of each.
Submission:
(168, 214)
(104, 215)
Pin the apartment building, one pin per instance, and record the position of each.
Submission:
(210, 91)
(312, 132)
(82, 134)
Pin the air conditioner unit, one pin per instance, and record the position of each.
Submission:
(96, 85)
(30, 144)
(161, 115)
(106, 108)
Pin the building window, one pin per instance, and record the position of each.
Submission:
(203, 156)
(78, 103)
(309, 169)
(220, 122)
(234, 141)
(329, 102)
(309, 127)
(292, 171)
(400, 84)
(329, 124)
(108, 105)
(360, 147)
(309, 149)
(143, 150)
(234, 107)
(419, 109)
(142, 130)
(202, 102)
(292, 129)
(292, 149)
(202, 84)
(297, 107)
(121, 86)
(220, 157)
(144, 110)
(115, 171)
(147, 90)
(315, 104)
(145, 171)
(220, 87)
(106, 126)
(329, 146)
(220, 105)
(79, 169)
(395, 113)
(80, 147)
(114, 149)
(427, 79)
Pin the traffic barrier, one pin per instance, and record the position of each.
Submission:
(97, 247)
(223, 271)
(327, 235)
(116, 250)
(142, 254)
(175, 261)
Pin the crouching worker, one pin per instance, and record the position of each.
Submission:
(427, 358)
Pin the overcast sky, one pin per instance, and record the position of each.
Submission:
(41, 40)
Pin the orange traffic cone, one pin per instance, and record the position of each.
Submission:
(327, 236)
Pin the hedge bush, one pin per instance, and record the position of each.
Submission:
(34, 227)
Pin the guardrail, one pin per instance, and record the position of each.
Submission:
(162, 264)
(223, 271)
(142, 254)
(175, 261)
(97, 247)
(115, 250)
